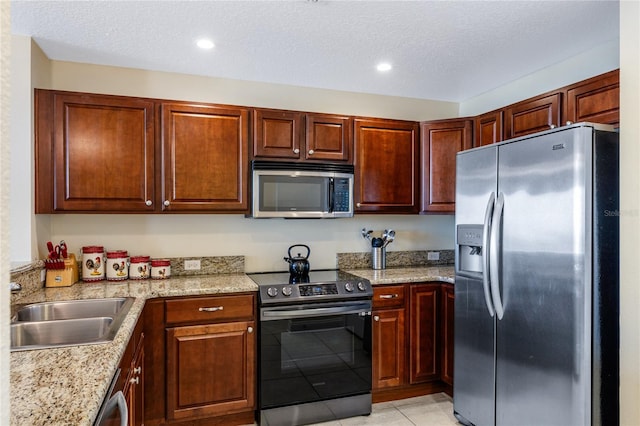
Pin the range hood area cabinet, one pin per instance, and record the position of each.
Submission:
(102, 153)
(298, 136)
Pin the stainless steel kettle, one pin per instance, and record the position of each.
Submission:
(299, 265)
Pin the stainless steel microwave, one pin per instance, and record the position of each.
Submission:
(301, 190)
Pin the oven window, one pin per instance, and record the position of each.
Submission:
(313, 359)
(287, 193)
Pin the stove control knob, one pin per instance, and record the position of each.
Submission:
(361, 286)
(272, 291)
(348, 287)
(286, 291)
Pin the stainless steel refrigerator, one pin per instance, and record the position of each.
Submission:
(536, 291)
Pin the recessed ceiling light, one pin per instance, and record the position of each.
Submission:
(204, 43)
(383, 66)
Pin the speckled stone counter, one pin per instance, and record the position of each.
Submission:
(407, 275)
(66, 386)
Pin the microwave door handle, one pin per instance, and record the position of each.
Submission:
(331, 194)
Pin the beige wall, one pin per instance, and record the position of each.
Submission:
(630, 212)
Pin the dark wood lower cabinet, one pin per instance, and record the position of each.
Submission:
(210, 370)
(201, 363)
(412, 340)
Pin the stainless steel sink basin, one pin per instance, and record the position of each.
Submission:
(71, 309)
(47, 334)
(68, 323)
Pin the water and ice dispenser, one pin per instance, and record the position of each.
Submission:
(470, 250)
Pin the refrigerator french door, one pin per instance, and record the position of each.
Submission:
(536, 295)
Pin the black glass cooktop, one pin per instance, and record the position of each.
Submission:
(314, 277)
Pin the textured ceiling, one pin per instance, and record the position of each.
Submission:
(442, 50)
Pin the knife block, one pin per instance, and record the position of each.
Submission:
(63, 277)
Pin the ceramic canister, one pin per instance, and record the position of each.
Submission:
(139, 267)
(160, 268)
(117, 265)
(92, 263)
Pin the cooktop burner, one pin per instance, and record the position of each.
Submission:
(282, 287)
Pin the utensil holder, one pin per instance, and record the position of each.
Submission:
(379, 257)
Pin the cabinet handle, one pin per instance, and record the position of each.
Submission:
(135, 380)
(148, 202)
(388, 296)
(376, 318)
(137, 370)
(166, 202)
(250, 330)
(296, 151)
(211, 309)
(311, 152)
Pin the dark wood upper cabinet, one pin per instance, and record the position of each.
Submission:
(94, 153)
(488, 128)
(533, 115)
(596, 100)
(205, 157)
(386, 166)
(291, 135)
(441, 141)
(277, 134)
(329, 138)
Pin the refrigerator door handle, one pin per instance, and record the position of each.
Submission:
(486, 253)
(494, 257)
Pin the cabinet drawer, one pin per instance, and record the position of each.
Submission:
(388, 296)
(210, 309)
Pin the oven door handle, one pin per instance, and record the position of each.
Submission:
(315, 312)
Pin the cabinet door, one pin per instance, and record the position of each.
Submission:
(205, 165)
(210, 370)
(446, 362)
(441, 141)
(94, 153)
(277, 134)
(389, 353)
(386, 166)
(329, 138)
(596, 100)
(532, 116)
(423, 333)
(134, 391)
(488, 128)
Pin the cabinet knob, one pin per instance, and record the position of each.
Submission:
(166, 202)
(148, 202)
(376, 318)
(569, 123)
(311, 152)
(552, 126)
(358, 205)
(135, 380)
(296, 151)
(137, 370)
(250, 330)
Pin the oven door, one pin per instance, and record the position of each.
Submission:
(314, 352)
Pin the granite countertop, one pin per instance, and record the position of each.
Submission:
(67, 385)
(406, 275)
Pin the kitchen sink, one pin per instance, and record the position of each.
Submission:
(48, 334)
(68, 323)
(71, 309)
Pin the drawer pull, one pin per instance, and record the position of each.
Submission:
(212, 309)
(388, 296)
(135, 380)
(137, 370)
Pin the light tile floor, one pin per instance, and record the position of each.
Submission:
(428, 410)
